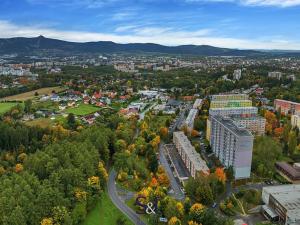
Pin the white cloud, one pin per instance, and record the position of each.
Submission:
(277, 3)
(165, 36)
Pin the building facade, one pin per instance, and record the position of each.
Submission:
(287, 107)
(276, 75)
(230, 104)
(232, 145)
(229, 97)
(256, 125)
(295, 121)
(192, 160)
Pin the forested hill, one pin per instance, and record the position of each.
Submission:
(44, 45)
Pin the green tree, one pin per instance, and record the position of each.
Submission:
(292, 143)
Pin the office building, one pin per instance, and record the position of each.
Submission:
(232, 145)
(282, 203)
(287, 107)
(192, 160)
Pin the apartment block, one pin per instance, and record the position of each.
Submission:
(229, 97)
(295, 121)
(230, 104)
(243, 111)
(189, 122)
(256, 125)
(282, 204)
(237, 74)
(287, 107)
(277, 75)
(192, 160)
(232, 145)
(197, 103)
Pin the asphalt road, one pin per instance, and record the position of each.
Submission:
(113, 194)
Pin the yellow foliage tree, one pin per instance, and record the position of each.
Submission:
(180, 209)
(174, 221)
(47, 221)
(102, 171)
(193, 223)
(197, 208)
(94, 181)
(155, 142)
(19, 168)
(80, 194)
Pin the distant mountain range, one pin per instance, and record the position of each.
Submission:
(41, 45)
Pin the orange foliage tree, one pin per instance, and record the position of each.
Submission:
(221, 175)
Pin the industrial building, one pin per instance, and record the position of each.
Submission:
(282, 203)
(232, 145)
(192, 160)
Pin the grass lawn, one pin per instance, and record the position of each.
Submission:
(105, 213)
(30, 95)
(6, 106)
(83, 109)
(41, 122)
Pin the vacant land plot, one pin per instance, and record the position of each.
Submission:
(105, 213)
(31, 94)
(41, 122)
(6, 106)
(83, 109)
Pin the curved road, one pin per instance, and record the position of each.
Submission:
(113, 194)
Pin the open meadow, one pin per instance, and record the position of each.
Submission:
(6, 106)
(31, 94)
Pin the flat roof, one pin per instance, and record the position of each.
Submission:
(191, 117)
(195, 157)
(229, 124)
(177, 161)
(288, 196)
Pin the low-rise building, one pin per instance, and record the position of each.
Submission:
(291, 172)
(282, 203)
(192, 160)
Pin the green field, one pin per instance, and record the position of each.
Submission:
(105, 213)
(83, 109)
(6, 106)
